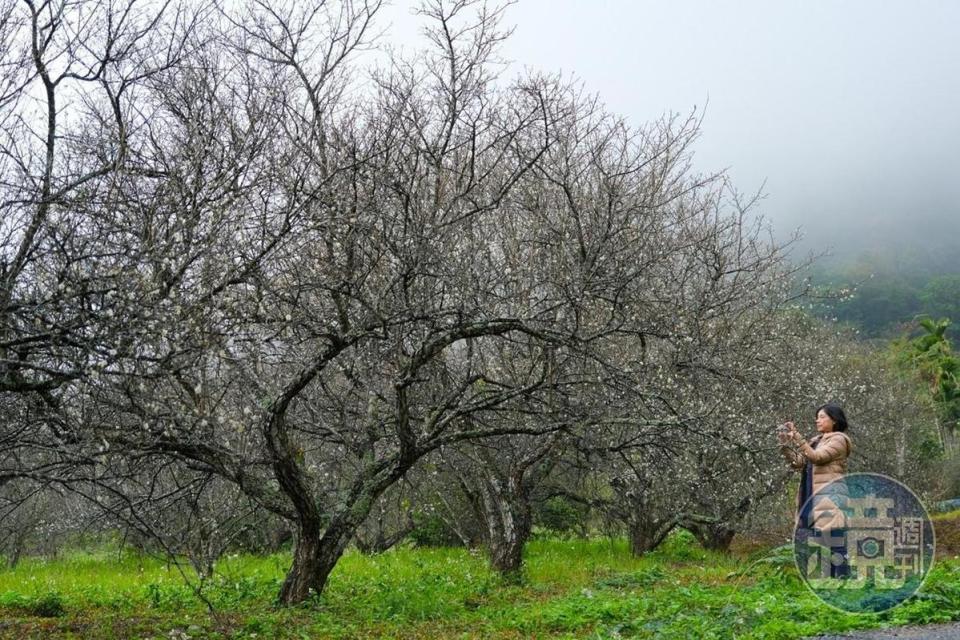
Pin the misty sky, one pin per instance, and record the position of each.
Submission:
(848, 109)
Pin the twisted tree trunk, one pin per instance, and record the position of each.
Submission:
(716, 537)
(646, 534)
(509, 522)
(314, 557)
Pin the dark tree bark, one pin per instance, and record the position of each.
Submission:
(314, 557)
(716, 537)
(508, 516)
(716, 531)
(500, 484)
(646, 534)
(381, 538)
(278, 537)
(15, 548)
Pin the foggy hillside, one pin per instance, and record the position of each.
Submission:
(893, 284)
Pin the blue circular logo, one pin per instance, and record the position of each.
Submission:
(864, 543)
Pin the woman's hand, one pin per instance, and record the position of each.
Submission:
(793, 434)
(783, 434)
(789, 434)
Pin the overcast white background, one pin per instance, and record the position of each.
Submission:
(848, 110)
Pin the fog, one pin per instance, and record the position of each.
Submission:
(847, 114)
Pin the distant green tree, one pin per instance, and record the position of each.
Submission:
(889, 288)
(931, 358)
(881, 305)
(940, 297)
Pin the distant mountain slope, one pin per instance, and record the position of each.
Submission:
(892, 287)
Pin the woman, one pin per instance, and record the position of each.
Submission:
(821, 461)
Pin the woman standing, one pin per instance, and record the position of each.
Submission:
(821, 461)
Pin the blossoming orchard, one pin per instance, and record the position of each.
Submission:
(266, 284)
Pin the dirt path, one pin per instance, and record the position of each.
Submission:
(949, 631)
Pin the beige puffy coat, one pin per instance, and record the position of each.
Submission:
(829, 461)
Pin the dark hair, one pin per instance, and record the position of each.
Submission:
(836, 414)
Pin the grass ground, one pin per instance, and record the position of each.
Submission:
(572, 589)
(947, 527)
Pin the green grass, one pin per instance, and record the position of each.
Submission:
(571, 589)
(947, 515)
